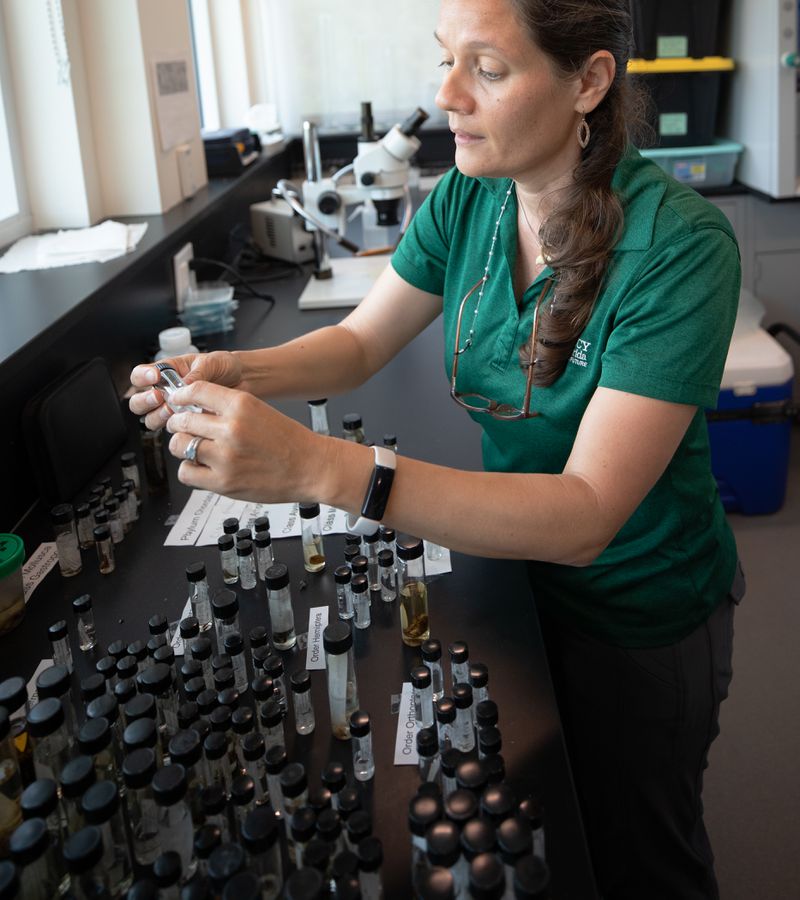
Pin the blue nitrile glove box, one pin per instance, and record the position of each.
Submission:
(750, 459)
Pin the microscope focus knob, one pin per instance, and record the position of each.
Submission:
(367, 179)
(328, 203)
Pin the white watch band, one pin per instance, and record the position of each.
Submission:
(377, 493)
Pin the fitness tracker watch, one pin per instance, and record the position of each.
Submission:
(377, 496)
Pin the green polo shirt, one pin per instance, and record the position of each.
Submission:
(660, 328)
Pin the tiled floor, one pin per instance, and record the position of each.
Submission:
(752, 788)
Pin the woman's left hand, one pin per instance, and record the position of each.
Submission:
(248, 449)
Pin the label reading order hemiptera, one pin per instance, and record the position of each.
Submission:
(405, 745)
(315, 652)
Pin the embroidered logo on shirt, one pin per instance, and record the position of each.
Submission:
(580, 353)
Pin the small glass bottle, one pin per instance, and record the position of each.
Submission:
(138, 769)
(459, 662)
(105, 549)
(157, 681)
(329, 829)
(225, 607)
(10, 781)
(253, 755)
(275, 761)
(58, 636)
(432, 658)
(170, 382)
(92, 687)
(206, 839)
(342, 686)
(462, 730)
(413, 592)
(263, 552)
(498, 802)
(359, 565)
(490, 742)
(224, 864)
(444, 850)
(108, 708)
(370, 547)
(353, 428)
(215, 811)
(423, 811)
(101, 808)
(388, 538)
(387, 575)
(281, 614)
(243, 796)
(41, 876)
(514, 842)
(142, 734)
(271, 717)
(186, 749)
(130, 469)
(228, 559)
(159, 624)
(351, 553)
(304, 721)
(361, 736)
(486, 715)
(260, 836)
(121, 496)
(173, 817)
(133, 501)
(311, 535)
(318, 411)
(294, 787)
(107, 667)
(390, 442)
(77, 776)
(273, 669)
(51, 740)
(246, 562)
(114, 520)
(138, 649)
(344, 596)
(445, 711)
(257, 637)
(303, 828)
(167, 875)
(230, 525)
(471, 776)
(334, 779)
(428, 755)
(423, 696)
(95, 741)
(200, 650)
(39, 800)
(478, 675)
(359, 587)
(243, 534)
(370, 859)
(66, 535)
(531, 878)
(85, 524)
(532, 811)
(243, 724)
(234, 647)
(260, 525)
(217, 761)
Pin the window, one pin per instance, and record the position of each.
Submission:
(14, 218)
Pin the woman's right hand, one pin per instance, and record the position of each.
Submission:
(219, 367)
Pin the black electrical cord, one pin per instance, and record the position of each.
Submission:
(240, 279)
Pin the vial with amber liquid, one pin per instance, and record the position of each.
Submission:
(413, 592)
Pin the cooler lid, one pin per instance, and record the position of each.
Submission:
(755, 360)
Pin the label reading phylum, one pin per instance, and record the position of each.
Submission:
(673, 124)
(672, 46)
(317, 622)
(405, 745)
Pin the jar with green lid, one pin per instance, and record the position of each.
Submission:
(12, 596)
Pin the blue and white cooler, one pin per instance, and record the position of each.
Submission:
(750, 431)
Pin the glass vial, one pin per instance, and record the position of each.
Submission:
(445, 709)
(36, 857)
(82, 607)
(313, 549)
(318, 411)
(361, 738)
(55, 681)
(138, 769)
(234, 647)
(130, 470)
(85, 524)
(66, 535)
(170, 382)
(353, 428)
(225, 607)
(261, 838)
(301, 700)
(342, 687)
(105, 549)
(281, 614)
(459, 662)
(479, 682)
(101, 808)
(463, 732)
(275, 761)
(51, 740)
(173, 817)
(58, 636)
(413, 592)
(370, 859)
(263, 552)
(428, 755)
(294, 787)
(247, 564)
(359, 587)
(432, 658)
(271, 717)
(387, 576)
(423, 696)
(228, 559)
(390, 442)
(344, 596)
(199, 594)
(115, 521)
(370, 547)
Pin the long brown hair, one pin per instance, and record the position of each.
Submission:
(578, 236)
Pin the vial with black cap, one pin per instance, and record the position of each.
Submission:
(201, 650)
(304, 721)
(459, 662)
(318, 412)
(370, 860)
(428, 755)
(82, 607)
(294, 787)
(281, 614)
(41, 875)
(156, 680)
(130, 470)
(253, 752)
(217, 764)
(225, 862)
(39, 800)
(225, 607)
(532, 811)
(413, 592)
(514, 841)
(273, 668)
(443, 841)
(114, 520)
(66, 536)
(260, 836)
(246, 563)
(498, 802)
(84, 520)
(95, 739)
(463, 731)
(215, 813)
(271, 716)
(77, 776)
(234, 647)
(361, 737)
(108, 708)
(370, 546)
(311, 537)
(531, 879)
(337, 639)
(423, 811)
(262, 548)
(353, 428)
(303, 827)
(243, 798)
(387, 576)
(275, 762)
(170, 382)
(173, 816)
(490, 742)
(50, 738)
(101, 807)
(445, 714)
(105, 549)
(334, 779)
(228, 559)
(423, 697)
(359, 587)
(58, 636)
(186, 749)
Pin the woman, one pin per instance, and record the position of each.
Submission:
(599, 299)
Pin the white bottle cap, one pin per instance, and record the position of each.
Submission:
(175, 340)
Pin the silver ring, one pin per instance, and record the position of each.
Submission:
(190, 452)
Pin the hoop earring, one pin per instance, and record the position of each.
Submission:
(584, 133)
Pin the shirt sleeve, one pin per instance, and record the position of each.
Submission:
(421, 258)
(672, 330)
